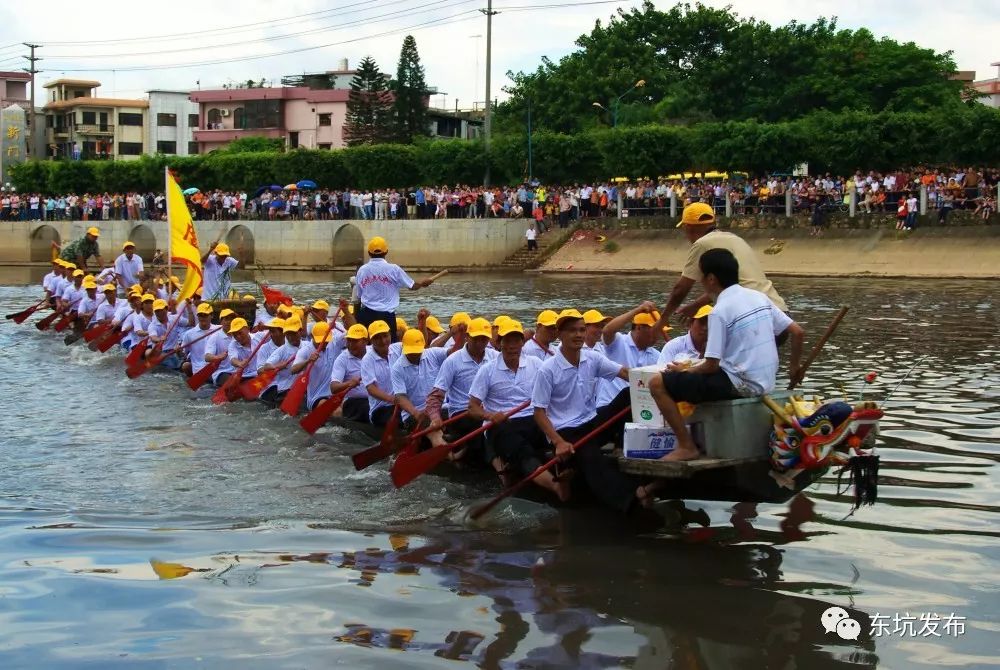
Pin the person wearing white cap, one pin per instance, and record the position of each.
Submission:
(217, 265)
(78, 251)
(128, 266)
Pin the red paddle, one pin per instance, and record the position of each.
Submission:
(19, 317)
(111, 340)
(230, 390)
(252, 389)
(410, 466)
(96, 331)
(322, 412)
(152, 361)
(136, 352)
(385, 447)
(63, 323)
(47, 321)
(197, 380)
(483, 509)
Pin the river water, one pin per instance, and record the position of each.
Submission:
(284, 557)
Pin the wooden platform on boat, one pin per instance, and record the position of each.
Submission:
(645, 467)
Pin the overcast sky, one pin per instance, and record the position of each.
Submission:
(215, 32)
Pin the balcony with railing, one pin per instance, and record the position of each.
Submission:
(95, 129)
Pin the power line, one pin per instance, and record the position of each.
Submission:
(410, 11)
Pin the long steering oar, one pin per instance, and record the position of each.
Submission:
(19, 317)
(319, 415)
(819, 346)
(410, 466)
(385, 447)
(152, 361)
(483, 509)
(230, 389)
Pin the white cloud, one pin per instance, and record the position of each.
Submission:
(448, 52)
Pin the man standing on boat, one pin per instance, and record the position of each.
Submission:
(565, 408)
(741, 355)
(378, 283)
(698, 222)
(217, 265)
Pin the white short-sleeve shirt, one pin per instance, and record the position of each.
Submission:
(215, 277)
(623, 351)
(567, 392)
(346, 367)
(417, 381)
(129, 270)
(501, 389)
(679, 348)
(456, 375)
(375, 370)
(196, 350)
(378, 283)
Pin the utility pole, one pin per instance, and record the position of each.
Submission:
(487, 120)
(34, 120)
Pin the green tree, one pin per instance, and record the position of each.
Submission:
(410, 93)
(369, 108)
(253, 144)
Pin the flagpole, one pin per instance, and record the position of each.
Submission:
(170, 230)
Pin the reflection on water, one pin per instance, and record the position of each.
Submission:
(140, 526)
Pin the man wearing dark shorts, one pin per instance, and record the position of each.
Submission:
(741, 357)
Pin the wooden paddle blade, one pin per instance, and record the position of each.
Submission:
(198, 379)
(296, 394)
(96, 332)
(47, 321)
(63, 323)
(385, 447)
(144, 366)
(252, 388)
(72, 338)
(409, 466)
(229, 391)
(312, 421)
(135, 354)
(110, 341)
(21, 316)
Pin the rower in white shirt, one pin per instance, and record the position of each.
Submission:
(690, 347)
(275, 332)
(106, 311)
(413, 376)
(633, 350)
(163, 332)
(376, 374)
(595, 322)
(541, 343)
(321, 349)
(741, 356)
(128, 266)
(194, 346)
(346, 374)
(217, 350)
(242, 350)
(454, 381)
(281, 359)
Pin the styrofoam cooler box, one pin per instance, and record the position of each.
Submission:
(644, 409)
(653, 441)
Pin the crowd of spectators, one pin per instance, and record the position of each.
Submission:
(957, 188)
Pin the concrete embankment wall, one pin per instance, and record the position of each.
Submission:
(448, 243)
(960, 252)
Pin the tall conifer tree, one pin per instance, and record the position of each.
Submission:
(410, 90)
(369, 107)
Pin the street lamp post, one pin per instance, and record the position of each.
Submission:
(615, 104)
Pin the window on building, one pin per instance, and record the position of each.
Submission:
(130, 148)
(129, 119)
(193, 120)
(325, 119)
(325, 145)
(238, 118)
(166, 119)
(165, 147)
(192, 148)
(293, 140)
(88, 118)
(262, 114)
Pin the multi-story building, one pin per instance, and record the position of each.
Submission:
(79, 124)
(989, 89)
(170, 123)
(14, 89)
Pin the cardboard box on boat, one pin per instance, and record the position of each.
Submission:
(644, 409)
(653, 441)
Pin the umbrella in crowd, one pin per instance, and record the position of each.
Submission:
(292, 187)
(191, 191)
(259, 191)
(306, 183)
(276, 187)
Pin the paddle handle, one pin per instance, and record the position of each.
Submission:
(819, 345)
(434, 278)
(431, 429)
(479, 511)
(486, 426)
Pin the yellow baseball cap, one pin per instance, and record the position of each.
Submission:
(480, 327)
(94, 231)
(148, 297)
(321, 304)
(276, 323)
(204, 308)
(547, 318)
(401, 323)
(89, 283)
(510, 326)
(703, 312)
(135, 287)
(434, 325)
(357, 332)
(413, 341)
(246, 297)
(109, 287)
(567, 315)
(237, 325)
(697, 214)
(499, 320)
(377, 328)
(320, 331)
(59, 261)
(222, 249)
(77, 273)
(128, 244)
(284, 309)
(459, 317)
(592, 316)
(377, 246)
(292, 325)
(159, 303)
(69, 266)
(174, 279)
(226, 313)
(646, 318)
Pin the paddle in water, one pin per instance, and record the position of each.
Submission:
(198, 379)
(385, 447)
(322, 412)
(19, 317)
(230, 390)
(297, 393)
(135, 354)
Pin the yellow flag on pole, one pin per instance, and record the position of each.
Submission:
(183, 239)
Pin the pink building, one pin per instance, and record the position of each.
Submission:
(301, 116)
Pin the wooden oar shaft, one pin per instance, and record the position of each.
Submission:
(434, 278)
(819, 345)
(479, 511)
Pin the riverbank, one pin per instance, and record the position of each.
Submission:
(954, 253)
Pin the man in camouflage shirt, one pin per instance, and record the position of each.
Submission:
(80, 250)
